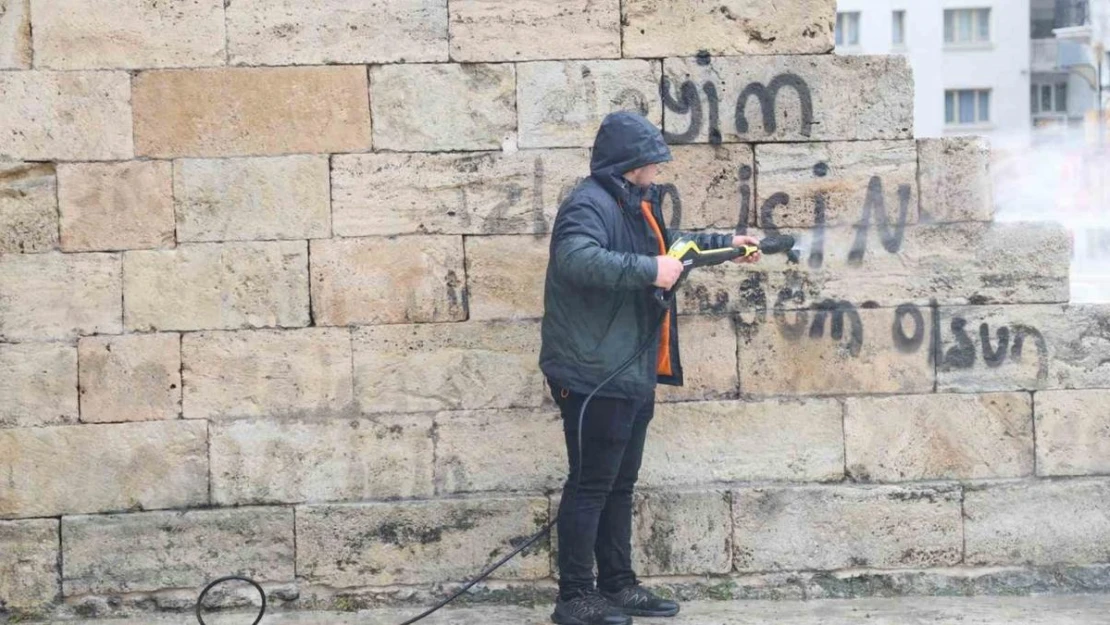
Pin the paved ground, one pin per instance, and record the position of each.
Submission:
(1068, 610)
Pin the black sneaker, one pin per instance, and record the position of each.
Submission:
(588, 607)
(635, 600)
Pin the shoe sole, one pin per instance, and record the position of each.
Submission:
(570, 620)
(649, 613)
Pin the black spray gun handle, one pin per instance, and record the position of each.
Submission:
(692, 256)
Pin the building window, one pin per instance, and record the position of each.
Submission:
(898, 29)
(1049, 98)
(967, 26)
(847, 29)
(967, 107)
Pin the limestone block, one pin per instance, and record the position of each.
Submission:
(286, 32)
(836, 527)
(1073, 432)
(788, 98)
(955, 179)
(28, 205)
(453, 193)
(834, 350)
(58, 297)
(1038, 523)
(660, 28)
(102, 468)
(418, 542)
(500, 450)
(707, 442)
(711, 186)
(562, 103)
(49, 116)
(448, 366)
(267, 373)
(150, 551)
(682, 533)
(939, 436)
(838, 184)
(29, 563)
(116, 206)
(529, 30)
(280, 197)
(264, 460)
(206, 286)
(505, 276)
(15, 34)
(38, 384)
(251, 111)
(134, 377)
(890, 265)
(434, 108)
(709, 369)
(122, 34)
(1024, 347)
(388, 280)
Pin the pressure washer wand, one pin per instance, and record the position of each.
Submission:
(686, 250)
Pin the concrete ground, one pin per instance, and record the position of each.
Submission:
(1054, 610)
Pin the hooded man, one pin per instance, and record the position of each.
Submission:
(606, 256)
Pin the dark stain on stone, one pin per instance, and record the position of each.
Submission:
(704, 58)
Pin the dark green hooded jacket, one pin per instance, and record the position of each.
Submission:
(598, 304)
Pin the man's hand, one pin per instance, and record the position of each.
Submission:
(667, 271)
(741, 240)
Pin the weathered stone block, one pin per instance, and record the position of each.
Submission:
(529, 30)
(660, 28)
(497, 289)
(433, 108)
(101, 468)
(711, 374)
(712, 187)
(28, 563)
(894, 266)
(38, 382)
(838, 350)
(788, 98)
(1073, 432)
(282, 197)
(449, 366)
(418, 542)
(388, 280)
(925, 437)
(121, 34)
(484, 193)
(251, 111)
(28, 205)
(15, 34)
(837, 527)
(262, 32)
(151, 551)
(134, 377)
(706, 442)
(58, 297)
(351, 459)
(500, 450)
(836, 184)
(116, 206)
(1024, 347)
(65, 116)
(206, 286)
(267, 373)
(682, 533)
(955, 179)
(1038, 523)
(562, 103)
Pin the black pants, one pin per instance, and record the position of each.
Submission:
(595, 523)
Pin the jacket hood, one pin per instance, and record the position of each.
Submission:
(625, 141)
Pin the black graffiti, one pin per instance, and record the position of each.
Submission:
(838, 310)
(688, 102)
(768, 96)
(669, 191)
(912, 343)
(498, 218)
(1010, 346)
(745, 199)
(890, 236)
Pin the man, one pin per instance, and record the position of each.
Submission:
(607, 255)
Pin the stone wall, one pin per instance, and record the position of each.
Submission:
(271, 274)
